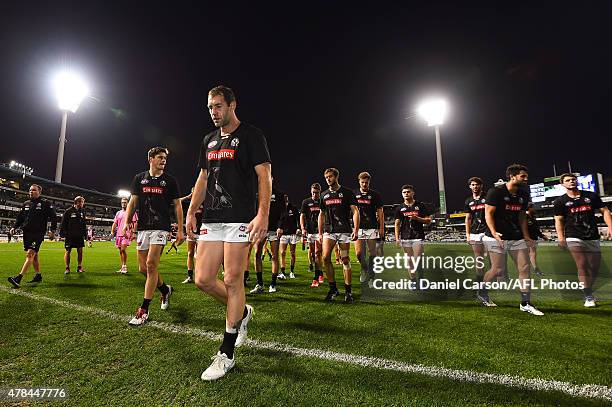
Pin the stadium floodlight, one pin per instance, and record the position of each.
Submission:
(123, 193)
(434, 112)
(70, 89)
(14, 165)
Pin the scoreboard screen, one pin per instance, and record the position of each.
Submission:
(551, 188)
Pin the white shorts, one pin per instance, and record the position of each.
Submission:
(593, 246)
(368, 234)
(476, 238)
(508, 245)
(272, 236)
(148, 237)
(411, 243)
(338, 237)
(289, 239)
(312, 238)
(223, 232)
(192, 240)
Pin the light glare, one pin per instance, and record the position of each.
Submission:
(433, 111)
(71, 89)
(123, 193)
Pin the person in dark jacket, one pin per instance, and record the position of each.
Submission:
(32, 219)
(74, 230)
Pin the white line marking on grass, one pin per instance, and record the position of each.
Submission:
(594, 391)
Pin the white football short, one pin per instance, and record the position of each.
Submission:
(148, 237)
(223, 232)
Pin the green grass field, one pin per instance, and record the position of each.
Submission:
(49, 341)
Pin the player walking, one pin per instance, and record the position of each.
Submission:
(337, 203)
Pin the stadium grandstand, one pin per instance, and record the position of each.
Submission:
(14, 184)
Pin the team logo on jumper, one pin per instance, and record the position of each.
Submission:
(411, 213)
(476, 207)
(314, 208)
(326, 196)
(507, 198)
(569, 203)
(223, 154)
(364, 201)
(212, 144)
(234, 143)
(242, 228)
(587, 200)
(144, 181)
(340, 195)
(162, 183)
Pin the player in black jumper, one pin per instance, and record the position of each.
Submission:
(153, 194)
(578, 232)
(507, 234)
(234, 166)
(337, 203)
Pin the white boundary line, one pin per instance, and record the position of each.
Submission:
(594, 391)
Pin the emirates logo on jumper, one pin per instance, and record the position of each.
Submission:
(514, 207)
(335, 201)
(152, 190)
(224, 154)
(477, 207)
(582, 208)
(411, 213)
(314, 208)
(364, 201)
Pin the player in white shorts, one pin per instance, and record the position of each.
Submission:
(372, 225)
(578, 232)
(507, 233)
(234, 166)
(337, 203)
(475, 223)
(153, 193)
(410, 216)
(275, 213)
(309, 216)
(290, 237)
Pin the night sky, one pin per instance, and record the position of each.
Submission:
(328, 85)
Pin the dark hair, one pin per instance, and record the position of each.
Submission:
(408, 186)
(156, 150)
(79, 198)
(316, 185)
(37, 186)
(364, 175)
(224, 91)
(566, 175)
(515, 169)
(476, 180)
(333, 171)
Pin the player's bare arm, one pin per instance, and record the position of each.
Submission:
(197, 197)
(258, 228)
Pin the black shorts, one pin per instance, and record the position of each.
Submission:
(74, 242)
(33, 241)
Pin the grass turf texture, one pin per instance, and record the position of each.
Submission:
(102, 361)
